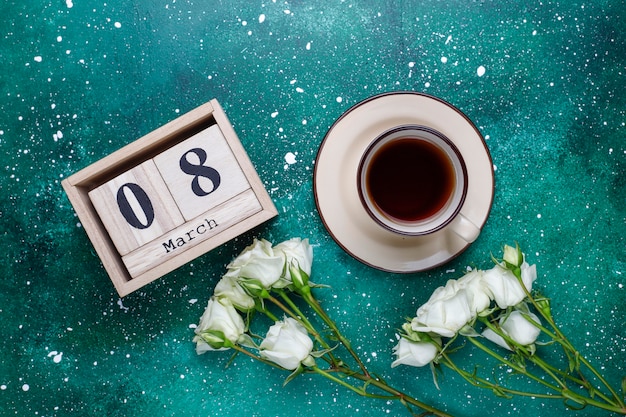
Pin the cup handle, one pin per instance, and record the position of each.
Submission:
(464, 228)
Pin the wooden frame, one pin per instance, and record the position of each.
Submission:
(79, 185)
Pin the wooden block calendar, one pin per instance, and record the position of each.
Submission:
(169, 197)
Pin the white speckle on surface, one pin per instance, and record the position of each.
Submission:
(3, 387)
(539, 215)
(117, 25)
(303, 121)
(308, 46)
(38, 58)
(244, 23)
(193, 301)
(444, 59)
(56, 356)
(411, 64)
(426, 84)
(480, 71)
(59, 38)
(69, 4)
(122, 307)
(448, 39)
(25, 387)
(290, 158)
(339, 99)
(274, 115)
(261, 18)
(299, 90)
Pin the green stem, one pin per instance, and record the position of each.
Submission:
(312, 301)
(567, 345)
(512, 365)
(298, 315)
(479, 382)
(394, 393)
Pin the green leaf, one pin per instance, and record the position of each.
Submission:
(469, 331)
(293, 375)
(320, 353)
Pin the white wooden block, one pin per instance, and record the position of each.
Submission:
(201, 172)
(136, 207)
(193, 233)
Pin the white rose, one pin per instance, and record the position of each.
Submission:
(446, 312)
(228, 287)
(220, 320)
(476, 290)
(287, 344)
(258, 262)
(517, 327)
(294, 251)
(504, 286)
(414, 353)
(513, 255)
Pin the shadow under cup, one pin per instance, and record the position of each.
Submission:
(412, 180)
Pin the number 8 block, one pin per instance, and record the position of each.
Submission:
(201, 172)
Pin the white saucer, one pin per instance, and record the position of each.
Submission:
(335, 181)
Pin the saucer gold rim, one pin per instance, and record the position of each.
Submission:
(335, 187)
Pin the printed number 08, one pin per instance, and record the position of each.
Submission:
(142, 199)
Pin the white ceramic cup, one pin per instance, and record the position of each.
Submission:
(412, 180)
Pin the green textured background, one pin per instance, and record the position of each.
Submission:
(81, 80)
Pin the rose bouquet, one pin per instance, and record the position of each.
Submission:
(496, 311)
(273, 282)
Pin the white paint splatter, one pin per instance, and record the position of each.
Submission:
(290, 158)
(444, 59)
(38, 58)
(69, 4)
(261, 18)
(299, 90)
(56, 356)
(339, 99)
(274, 115)
(25, 387)
(121, 304)
(117, 25)
(59, 38)
(480, 71)
(308, 46)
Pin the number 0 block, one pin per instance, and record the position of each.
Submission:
(169, 197)
(136, 207)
